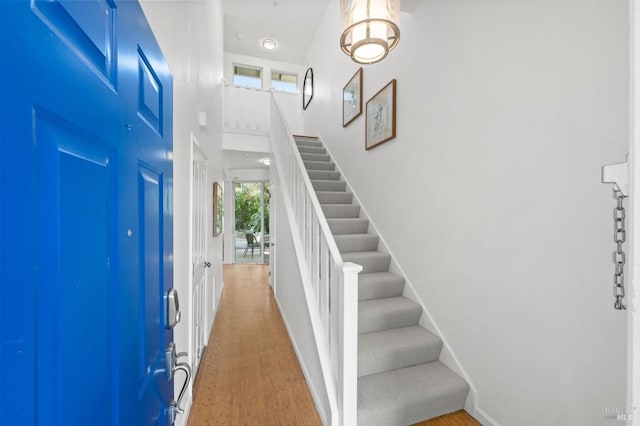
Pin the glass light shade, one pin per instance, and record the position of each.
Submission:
(269, 44)
(371, 29)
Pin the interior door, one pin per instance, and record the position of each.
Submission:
(86, 215)
(273, 234)
(200, 193)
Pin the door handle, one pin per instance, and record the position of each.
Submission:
(207, 264)
(173, 308)
(172, 366)
(182, 366)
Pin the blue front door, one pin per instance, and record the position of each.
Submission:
(85, 215)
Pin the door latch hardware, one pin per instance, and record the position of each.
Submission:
(173, 308)
(184, 366)
(172, 365)
(170, 413)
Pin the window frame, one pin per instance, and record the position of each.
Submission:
(294, 74)
(249, 67)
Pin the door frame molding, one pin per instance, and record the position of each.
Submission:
(633, 360)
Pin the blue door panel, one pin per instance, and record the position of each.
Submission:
(75, 204)
(150, 91)
(85, 215)
(88, 28)
(150, 225)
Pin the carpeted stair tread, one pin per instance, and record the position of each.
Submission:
(379, 285)
(334, 197)
(312, 150)
(371, 261)
(386, 350)
(341, 210)
(387, 313)
(350, 225)
(329, 185)
(400, 380)
(357, 242)
(307, 141)
(409, 395)
(323, 175)
(319, 165)
(316, 157)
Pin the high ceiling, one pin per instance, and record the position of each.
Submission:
(291, 23)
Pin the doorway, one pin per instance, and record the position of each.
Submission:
(199, 263)
(251, 230)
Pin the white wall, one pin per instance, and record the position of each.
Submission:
(490, 196)
(190, 36)
(291, 103)
(290, 296)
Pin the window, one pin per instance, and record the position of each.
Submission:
(244, 75)
(284, 82)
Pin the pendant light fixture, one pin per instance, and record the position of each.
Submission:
(371, 29)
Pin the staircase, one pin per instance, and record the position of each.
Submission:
(400, 379)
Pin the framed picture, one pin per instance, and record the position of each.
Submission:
(352, 99)
(381, 116)
(217, 209)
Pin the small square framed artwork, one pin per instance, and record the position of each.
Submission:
(218, 212)
(381, 116)
(352, 99)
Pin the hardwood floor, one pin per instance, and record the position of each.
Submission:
(249, 373)
(459, 418)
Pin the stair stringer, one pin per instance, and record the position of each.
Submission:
(447, 356)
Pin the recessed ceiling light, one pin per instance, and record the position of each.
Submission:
(266, 161)
(269, 44)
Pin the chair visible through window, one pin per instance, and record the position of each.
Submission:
(252, 243)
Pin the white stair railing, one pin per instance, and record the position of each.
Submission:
(246, 110)
(331, 285)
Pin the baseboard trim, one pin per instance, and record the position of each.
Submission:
(484, 418)
(324, 417)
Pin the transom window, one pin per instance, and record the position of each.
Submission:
(284, 82)
(245, 75)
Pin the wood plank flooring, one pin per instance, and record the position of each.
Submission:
(459, 418)
(249, 373)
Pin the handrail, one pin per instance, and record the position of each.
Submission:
(330, 284)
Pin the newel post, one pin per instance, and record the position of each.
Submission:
(348, 371)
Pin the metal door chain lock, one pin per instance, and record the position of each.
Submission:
(618, 175)
(619, 257)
